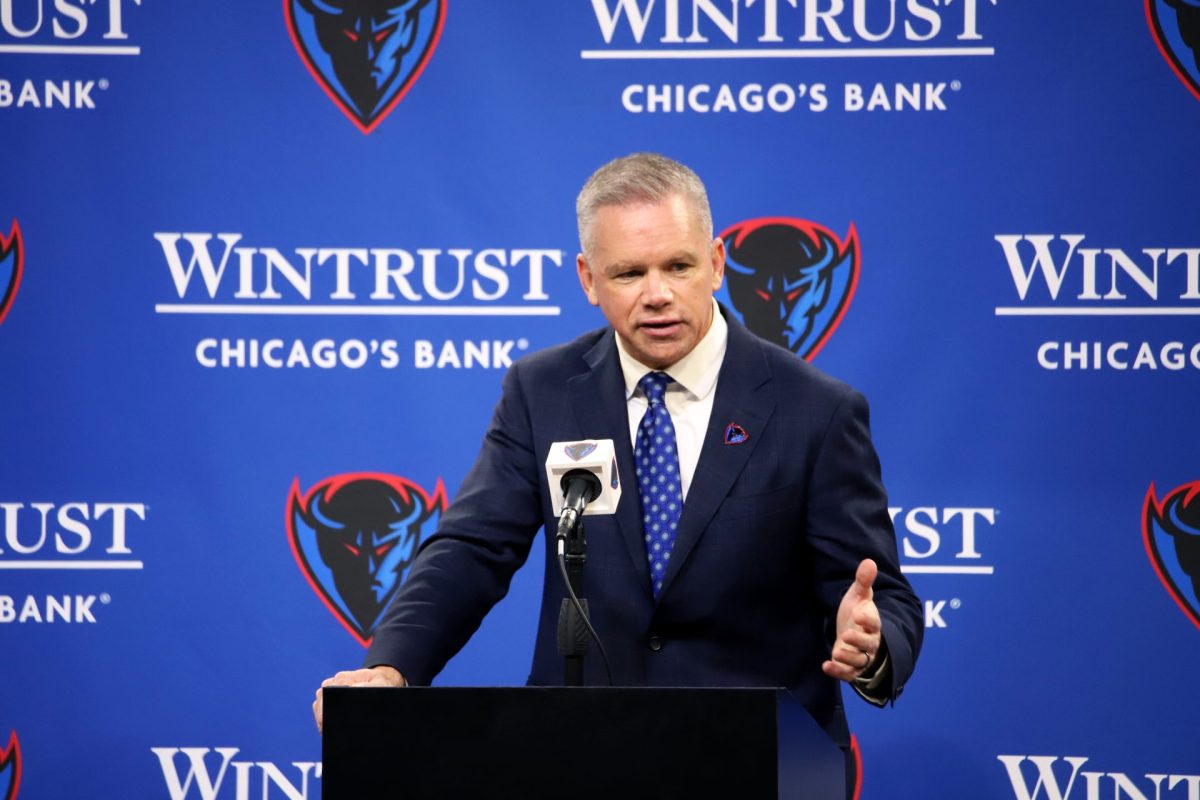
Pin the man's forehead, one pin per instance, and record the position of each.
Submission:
(643, 206)
(636, 226)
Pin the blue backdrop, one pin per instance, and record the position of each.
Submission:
(239, 264)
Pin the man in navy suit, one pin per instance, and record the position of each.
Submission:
(781, 568)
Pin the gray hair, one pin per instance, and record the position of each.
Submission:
(639, 178)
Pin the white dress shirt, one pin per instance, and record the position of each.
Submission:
(689, 398)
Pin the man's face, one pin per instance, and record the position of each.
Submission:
(652, 271)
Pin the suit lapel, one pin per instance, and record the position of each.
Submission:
(598, 397)
(740, 400)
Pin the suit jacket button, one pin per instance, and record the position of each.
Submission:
(655, 643)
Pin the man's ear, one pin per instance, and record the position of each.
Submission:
(718, 262)
(586, 279)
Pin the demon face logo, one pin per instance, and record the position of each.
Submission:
(1171, 531)
(10, 769)
(354, 537)
(11, 252)
(791, 280)
(365, 53)
(1175, 25)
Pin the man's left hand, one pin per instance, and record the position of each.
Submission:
(857, 646)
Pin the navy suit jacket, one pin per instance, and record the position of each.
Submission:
(771, 534)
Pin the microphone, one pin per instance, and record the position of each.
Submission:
(585, 474)
(579, 487)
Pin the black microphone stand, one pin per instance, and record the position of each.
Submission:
(572, 633)
(580, 487)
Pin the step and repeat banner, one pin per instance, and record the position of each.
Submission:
(264, 264)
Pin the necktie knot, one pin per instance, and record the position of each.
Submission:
(654, 386)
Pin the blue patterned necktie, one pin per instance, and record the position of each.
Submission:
(657, 463)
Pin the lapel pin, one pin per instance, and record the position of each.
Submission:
(735, 434)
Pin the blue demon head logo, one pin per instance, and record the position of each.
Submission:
(790, 280)
(355, 535)
(10, 269)
(1175, 25)
(1171, 530)
(10, 769)
(366, 53)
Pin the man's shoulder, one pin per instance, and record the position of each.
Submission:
(566, 358)
(785, 367)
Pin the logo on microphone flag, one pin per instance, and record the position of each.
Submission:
(578, 450)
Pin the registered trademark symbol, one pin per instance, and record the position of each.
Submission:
(955, 85)
(522, 344)
(102, 83)
(105, 598)
(956, 603)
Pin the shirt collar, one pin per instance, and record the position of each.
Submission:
(696, 372)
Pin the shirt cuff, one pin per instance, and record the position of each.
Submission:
(874, 688)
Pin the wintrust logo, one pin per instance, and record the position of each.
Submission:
(1064, 778)
(944, 541)
(73, 536)
(215, 773)
(32, 29)
(1063, 275)
(696, 25)
(712, 34)
(1057, 273)
(64, 28)
(221, 274)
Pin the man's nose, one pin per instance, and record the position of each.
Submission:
(657, 292)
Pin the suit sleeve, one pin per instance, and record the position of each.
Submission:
(465, 568)
(848, 521)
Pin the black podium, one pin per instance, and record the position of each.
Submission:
(566, 743)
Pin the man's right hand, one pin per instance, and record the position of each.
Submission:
(375, 676)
